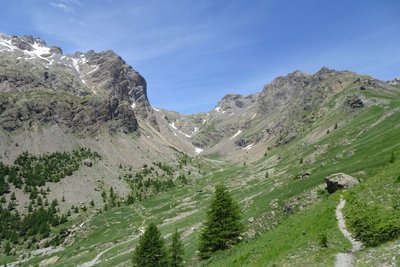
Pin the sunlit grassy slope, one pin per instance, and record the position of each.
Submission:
(361, 146)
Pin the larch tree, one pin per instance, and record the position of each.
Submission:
(223, 226)
(176, 251)
(150, 252)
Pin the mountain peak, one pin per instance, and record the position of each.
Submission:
(298, 73)
(325, 70)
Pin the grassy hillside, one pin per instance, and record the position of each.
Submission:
(286, 215)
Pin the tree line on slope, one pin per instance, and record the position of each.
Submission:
(32, 171)
(151, 180)
(16, 229)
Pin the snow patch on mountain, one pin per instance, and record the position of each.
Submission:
(7, 45)
(75, 63)
(248, 147)
(39, 50)
(236, 134)
(188, 136)
(96, 67)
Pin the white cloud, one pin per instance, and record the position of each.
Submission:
(63, 7)
(76, 2)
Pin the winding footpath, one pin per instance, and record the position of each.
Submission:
(345, 259)
(97, 260)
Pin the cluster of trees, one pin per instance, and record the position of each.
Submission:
(169, 170)
(33, 170)
(150, 181)
(221, 230)
(151, 251)
(144, 188)
(10, 174)
(36, 224)
(29, 172)
(4, 172)
(111, 199)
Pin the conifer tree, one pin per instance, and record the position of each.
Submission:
(222, 228)
(176, 251)
(150, 252)
(7, 249)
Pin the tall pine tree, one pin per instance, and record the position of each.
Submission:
(176, 251)
(222, 227)
(150, 252)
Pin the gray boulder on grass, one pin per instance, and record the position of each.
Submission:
(339, 181)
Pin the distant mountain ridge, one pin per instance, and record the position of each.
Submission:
(103, 90)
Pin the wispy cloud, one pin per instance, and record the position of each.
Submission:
(76, 2)
(67, 6)
(63, 7)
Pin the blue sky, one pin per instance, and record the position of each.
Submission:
(193, 52)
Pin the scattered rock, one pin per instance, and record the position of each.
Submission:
(288, 208)
(251, 220)
(355, 101)
(339, 181)
(45, 242)
(251, 233)
(274, 204)
(395, 81)
(88, 162)
(49, 262)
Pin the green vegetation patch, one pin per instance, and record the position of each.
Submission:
(373, 210)
(33, 170)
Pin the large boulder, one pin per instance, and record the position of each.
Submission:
(339, 181)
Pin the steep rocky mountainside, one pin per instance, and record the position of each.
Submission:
(89, 93)
(79, 91)
(52, 102)
(284, 109)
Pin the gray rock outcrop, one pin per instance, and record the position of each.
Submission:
(338, 181)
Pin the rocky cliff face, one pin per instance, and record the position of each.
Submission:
(83, 92)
